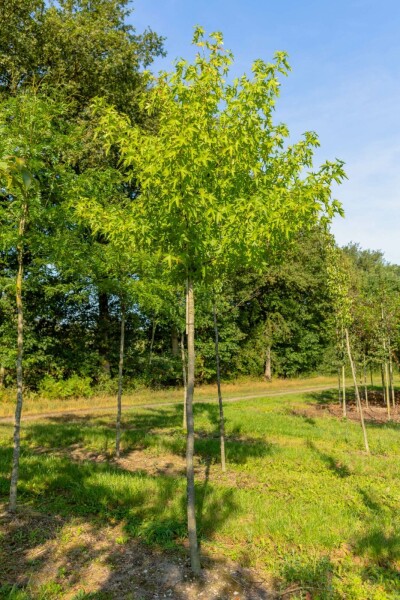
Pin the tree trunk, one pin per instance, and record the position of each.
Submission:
(153, 333)
(184, 378)
(267, 372)
(191, 504)
(365, 384)
(385, 396)
(391, 378)
(221, 406)
(104, 333)
(344, 391)
(360, 408)
(120, 377)
(174, 342)
(20, 350)
(387, 383)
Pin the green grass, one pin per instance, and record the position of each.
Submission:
(34, 403)
(301, 501)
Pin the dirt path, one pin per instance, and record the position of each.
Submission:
(111, 409)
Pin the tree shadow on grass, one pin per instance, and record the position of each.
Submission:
(148, 512)
(307, 576)
(158, 428)
(91, 565)
(379, 546)
(307, 419)
(395, 426)
(332, 463)
(326, 398)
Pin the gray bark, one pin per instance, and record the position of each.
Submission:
(20, 350)
(391, 378)
(360, 408)
(365, 384)
(184, 378)
(221, 406)
(387, 383)
(120, 380)
(385, 395)
(191, 502)
(267, 372)
(344, 391)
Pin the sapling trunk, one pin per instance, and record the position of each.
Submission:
(365, 384)
(391, 378)
(153, 333)
(221, 407)
(184, 378)
(191, 504)
(104, 328)
(20, 351)
(387, 383)
(120, 377)
(344, 391)
(268, 372)
(385, 395)
(360, 408)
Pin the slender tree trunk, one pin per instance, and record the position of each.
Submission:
(344, 391)
(174, 342)
(391, 378)
(365, 384)
(153, 333)
(221, 406)
(20, 350)
(387, 383)
(120, 377)
(385, 374)
(356, 391)
(184, 378)
(191, 504)
(385, 395)
(104, 332)
(267, 372)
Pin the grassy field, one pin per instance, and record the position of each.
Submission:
(34, 404)
(302, 507)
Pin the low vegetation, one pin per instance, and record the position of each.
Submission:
(301, 505)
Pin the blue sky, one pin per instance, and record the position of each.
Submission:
(345, 85)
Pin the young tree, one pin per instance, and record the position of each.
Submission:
(339, 284)
(217, 181)
(32, 173)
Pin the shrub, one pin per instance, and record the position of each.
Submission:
(74, 387)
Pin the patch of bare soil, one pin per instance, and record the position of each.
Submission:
(374, 412)
(78, 556)
(165, 464)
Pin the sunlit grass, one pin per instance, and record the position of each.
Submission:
(301, 500)
(34, 404)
